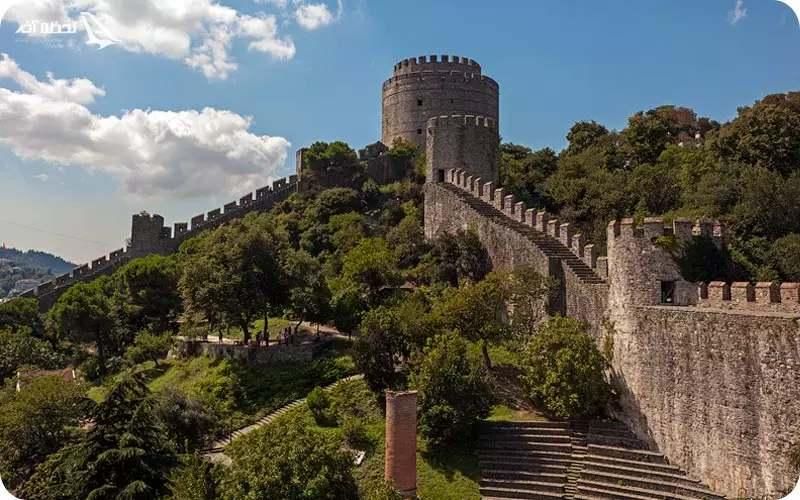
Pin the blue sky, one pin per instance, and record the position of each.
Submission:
(69, 180)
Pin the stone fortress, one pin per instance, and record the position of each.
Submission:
(707, 373)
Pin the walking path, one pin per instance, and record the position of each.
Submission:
(216, 451)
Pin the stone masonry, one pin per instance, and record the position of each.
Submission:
(401, 442)
(707, 373)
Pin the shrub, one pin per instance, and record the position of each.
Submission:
(318, 404)
(289, 460)
(355, 433)
(194, 479)
(454, 391)
(564, 370)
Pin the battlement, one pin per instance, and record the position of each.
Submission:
(455, 77)
(462, 121)
(149, 235)
(437, 63)
(746, 296)
(539, 220)
(655, 227)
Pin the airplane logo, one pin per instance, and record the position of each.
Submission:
(794, 5)
(104, 39)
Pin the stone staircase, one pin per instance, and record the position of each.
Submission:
(577, 461)
(549, 246)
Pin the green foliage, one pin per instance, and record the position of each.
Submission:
(234, 275)
(564, 371)
(21, 313)
(126, 454)
(701, 260)
(319, 405)
(194, 479)
(456, 258)
(291, 461)
(36, 422)
(478, 311)
(355, 433)
(331, 163)
(187, 420)
(148, 288)
(454, 394)
(148, 346)
(381, 348)
(524, 171)
(786, 255)
(19, 348)
(84, 313)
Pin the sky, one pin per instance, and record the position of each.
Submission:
(191, 104)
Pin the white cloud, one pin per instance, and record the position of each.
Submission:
(176, 153)
(41, 177)
(197, 32)
(315, 15)
(78, 90)
(738, 13)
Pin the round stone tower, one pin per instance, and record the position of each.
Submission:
(428, 86)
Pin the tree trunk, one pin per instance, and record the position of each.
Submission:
(317, 331)
(265, 331)
(246, 331)
(486, 360)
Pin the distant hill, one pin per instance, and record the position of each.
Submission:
(37, 260)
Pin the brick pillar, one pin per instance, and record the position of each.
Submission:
(401, 442)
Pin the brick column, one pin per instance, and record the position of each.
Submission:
(401, 442)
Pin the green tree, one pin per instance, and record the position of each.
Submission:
(334, 163)
(524, 171)
(125, 455)
(366, 270)
(309, 296)
(18, 348)
(291, 461)
(149, 347)
(234, 274)
(84, 313)
(381, 348)
(453, 389)
(148, 289)
(564, 370)
(188, 421)
(36, 422)
(582, 135)
(195, 479)
(478, 311)
(456, 258)
(786, 255)
(21, 313)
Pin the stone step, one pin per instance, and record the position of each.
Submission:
(645, 484)
(525, 466)
(520, 475)
(627, 454)
(534, 454)
(528, 436)
(631, 492)
(513, 494)
(660, 467)
(531, 486)
(511, 444)
(643, 472)
(534, 424)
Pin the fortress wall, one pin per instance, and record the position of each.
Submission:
(150, 236)
(710, 381)
(447, 212)
(716, 391)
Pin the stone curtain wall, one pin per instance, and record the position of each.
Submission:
(713, 381)
(513, 241)
(715, 387)
(428, 86)
(715, 391)
(150, 236)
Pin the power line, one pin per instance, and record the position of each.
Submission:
(56, 234)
